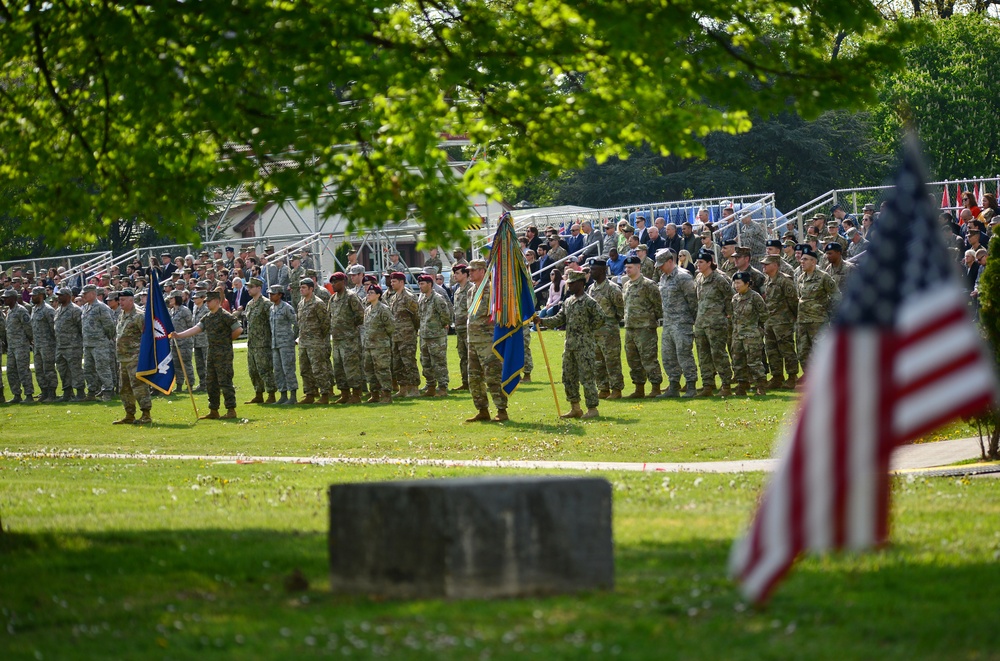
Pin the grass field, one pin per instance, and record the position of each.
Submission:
(628, 430)
(168, 560)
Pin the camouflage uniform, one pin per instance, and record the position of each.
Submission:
(711, 327)
(346, 318)
(69, 346)
(835, 237)
(98, 334)
(757, 279)
(218, 326)
(181, 349)
(648, 269)
(463, 296)
(608, 367)
(643, 307)
(377, 332)
(282, 322)
(484, 366)
(47, 352)
(128, 336)
(435, 262)
(314, 346)
(295, 277)
(728, 268)
(680, 308)
(782, 303)
(19, 338)
(748, 341)
(406, 321)
(754, 237)
(434, 320)
(3, 341)
(259, 359)
(200, 345)
(582, 316)
(529, 364)
(839, 273)
(817, 296)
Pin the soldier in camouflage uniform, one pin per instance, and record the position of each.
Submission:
(643, 309)
(463, 292)
(181, 350)
(320, 291)
(406, 322)
(378, 328)
(435, 317)
(313, 320)
(782, 303)
(648, 266)
(3, 349)
(773, 248)
(727, 259)
(281, 319)
(19, 338)
(200, 341)
(295, 275)
(69, 346)
(112, 303)
(128, 337)
(582, 316)
(484, 366)
(817, 297)
(221, 328)
(98, 334)
(712, 325)
(347, 315)
(742, 261)
(608, 354)
(836, 267)
(680, 308)
(748, 341)
(833, 234)
(433, 261)
(44, 334)
(259, 354)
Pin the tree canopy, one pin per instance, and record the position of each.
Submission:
(148, 108)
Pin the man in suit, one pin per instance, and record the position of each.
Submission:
(575, 241)
(239, 296)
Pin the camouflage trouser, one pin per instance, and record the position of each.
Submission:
(434, 360)
(261, 369)
(45, 368)
(366, 376)
(779, 341)
(529, 364)
(805, 334)
(347, 363)
(181, 353)
(378, 363)
(642, 356)
(608, 366)
(283, 362)
(69, 362)
(220, 380)
(462, 334)
(713, 355)
(404, 363)
(19, 370)
(484, 373)
(747, 364)
(97, 368)
(314, 365)
(201, 364)
(132, 390)
(678, 357)
(577, 370)
(114, 365)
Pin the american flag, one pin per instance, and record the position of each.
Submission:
(900, 358)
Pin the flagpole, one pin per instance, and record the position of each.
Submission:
(548, 367)
(187, 381)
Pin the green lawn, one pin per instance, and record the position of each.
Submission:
(629, 430)
(171, 560)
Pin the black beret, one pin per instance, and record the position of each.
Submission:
(633, 260)
(833, 245)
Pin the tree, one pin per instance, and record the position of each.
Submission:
(146, 108)
(988, 422)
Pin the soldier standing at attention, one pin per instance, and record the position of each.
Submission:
(69, 346)
(346, 318)
(711, 326)
(295, 276)
(748, 343)
(3, 349)
(836, 266)
(434, 261)
(463, 295)
(281, 321)
(435, 317)
(405, 323)
(98, 334)
(643, 308)
(259, 359)
(182, 319)
(782, 303)
(19, 338)
(817, 296)
(582, 316)
(200, 341)
(112, 303)
(484, 367)
(221, 328)
(680, 308)
(45, 343)
(128, 337)
(608, 354)
(313, 322)
(378, 346)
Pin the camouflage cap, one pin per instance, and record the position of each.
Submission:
(851, 232)
(869, 207)
(576, 276)
(789, 243)
(61, 291)
(88, 288)
(771, 259)
(477, 264)
(213, 296)
(112, 296)
(275, 289)
(819, 216)
(200, 294)
(706, 234)
(312, 273)
(357, 269)
(10, 293)
(643, 247)
(308, 282)
(38, 291)
(664, 255)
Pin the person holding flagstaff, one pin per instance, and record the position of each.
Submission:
(221, 328)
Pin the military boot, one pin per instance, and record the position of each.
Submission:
(355, 396)
(284, 397)
(591, 413)
(213, 414)
(3, 398)
(270, 398)
(640, 391)
(257, 399)
(789, 383)
(291, 398)
(741, 389)
(145, 419)
(105, 395)
(775, 382)
(615, 394)
(441, 392)
(673, 390)
(395, 386)
(526, 377)
(345, 396)
(464, 386)
(67, 395)
(655, 390)
(127, 420)
(386, 397)
(690, 390)
(429, 391)
(46, 398)
(324, 399)
(412, 391)
(725, 391)
(81, 395)
(706, 390)
(604, 394)
(16, 399)
(501, 416)
(91, 397)
(374, 398)
(575, 411)
(761, 387)
(28, 399)
(482, 416)
(230, 415)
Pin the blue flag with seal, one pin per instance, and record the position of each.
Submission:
(156, 366)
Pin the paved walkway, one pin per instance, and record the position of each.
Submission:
(907, 458)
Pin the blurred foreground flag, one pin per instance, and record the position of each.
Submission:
(156, 367)
(900, 358)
